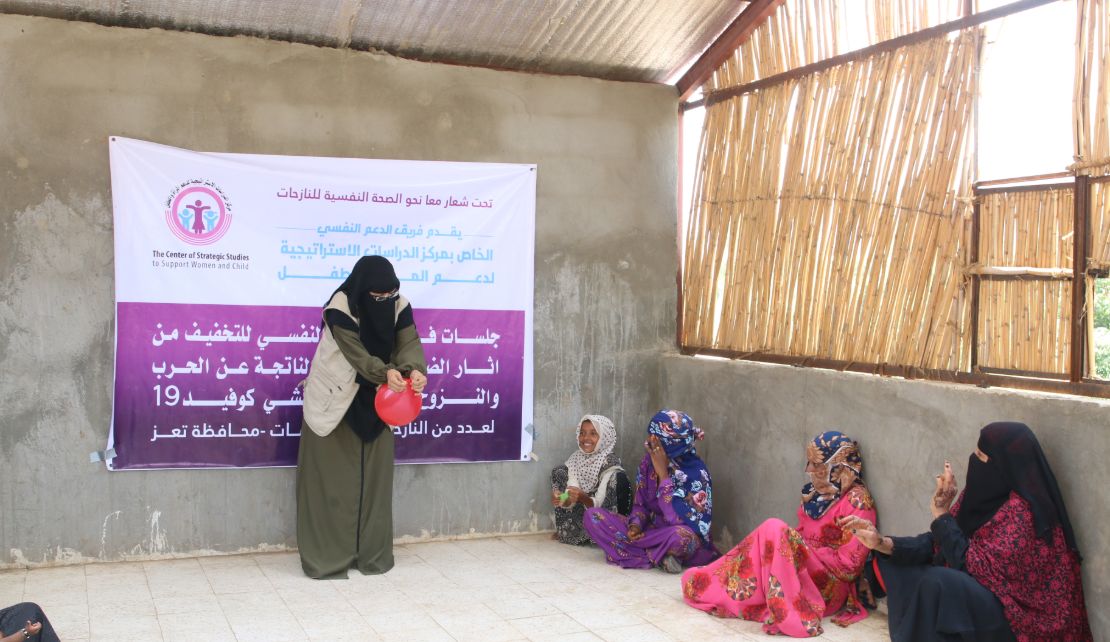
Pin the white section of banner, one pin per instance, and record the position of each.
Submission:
(259, 230)
(292, 216)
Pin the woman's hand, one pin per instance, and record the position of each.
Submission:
(659, 459)
(394, 380)
(634, 532)
(418, 380)
(866, 533)
(578, 496)
(556, 498)
(945, 492)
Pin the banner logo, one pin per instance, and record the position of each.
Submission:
(199, 213)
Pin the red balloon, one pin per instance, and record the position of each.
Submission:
(397, 408)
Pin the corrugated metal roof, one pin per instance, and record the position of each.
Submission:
(639, 40)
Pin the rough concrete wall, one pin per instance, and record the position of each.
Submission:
(758, 418)
(605, 263)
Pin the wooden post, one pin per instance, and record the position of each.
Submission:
(679, 238)
(1079, 278)
(975, 287)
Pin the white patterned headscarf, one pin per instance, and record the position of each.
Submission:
(584, 468)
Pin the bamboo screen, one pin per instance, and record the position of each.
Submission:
(826, 220)
(801, 32)
(1026, 324)
(1100, 226)
(1092, 88)
(1092, 119)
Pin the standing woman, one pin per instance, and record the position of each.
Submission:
(672, 504)
(345, 477)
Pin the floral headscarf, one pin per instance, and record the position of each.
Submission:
(676, 431)
(583, 468)
(692, 497)
(837, 464)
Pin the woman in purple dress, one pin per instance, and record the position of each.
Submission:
(672, 506)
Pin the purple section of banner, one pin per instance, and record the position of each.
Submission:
(472, 405)
(200, 386)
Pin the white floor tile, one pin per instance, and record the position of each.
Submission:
(201, 603)
(70, 622)
(237, 579)
(141, 628)
(189, 627)
(338, 620)
(11, 586)
(636, 633)
(268, 625)
(547, 625)
(178, 583)
(430, 634)
(605, 618)
(516, 607)
(387, 624)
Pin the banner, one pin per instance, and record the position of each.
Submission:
(224, 261)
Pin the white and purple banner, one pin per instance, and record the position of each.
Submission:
(224, 261)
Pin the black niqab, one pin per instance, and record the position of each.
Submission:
(376, 319)
(1015, 462)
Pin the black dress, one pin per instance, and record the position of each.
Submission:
(930, 596)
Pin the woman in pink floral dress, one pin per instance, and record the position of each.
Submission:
(789, 578)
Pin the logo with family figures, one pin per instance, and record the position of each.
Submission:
(198, 212)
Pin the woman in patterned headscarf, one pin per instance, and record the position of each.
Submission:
(789, 578)
(593, 476)
(672, 505)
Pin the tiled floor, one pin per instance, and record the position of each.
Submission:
(510, 588)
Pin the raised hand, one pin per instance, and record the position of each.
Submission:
(659, 459)
(945, 492)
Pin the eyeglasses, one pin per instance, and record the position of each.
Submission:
(384, 297)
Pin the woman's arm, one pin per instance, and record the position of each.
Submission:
(905, 551)
(640, 516)
(841, 554)
(951, 541)
(370, 367)
(671, 508)
(612, 492)
(408, 353)
(912, 551)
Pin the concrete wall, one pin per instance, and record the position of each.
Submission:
(758, 418)
(605, 263)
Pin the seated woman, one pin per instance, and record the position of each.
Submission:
(1001, 564)
(789, 578)
(591, 477)
(672, 504)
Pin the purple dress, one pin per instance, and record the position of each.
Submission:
(665, 531)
